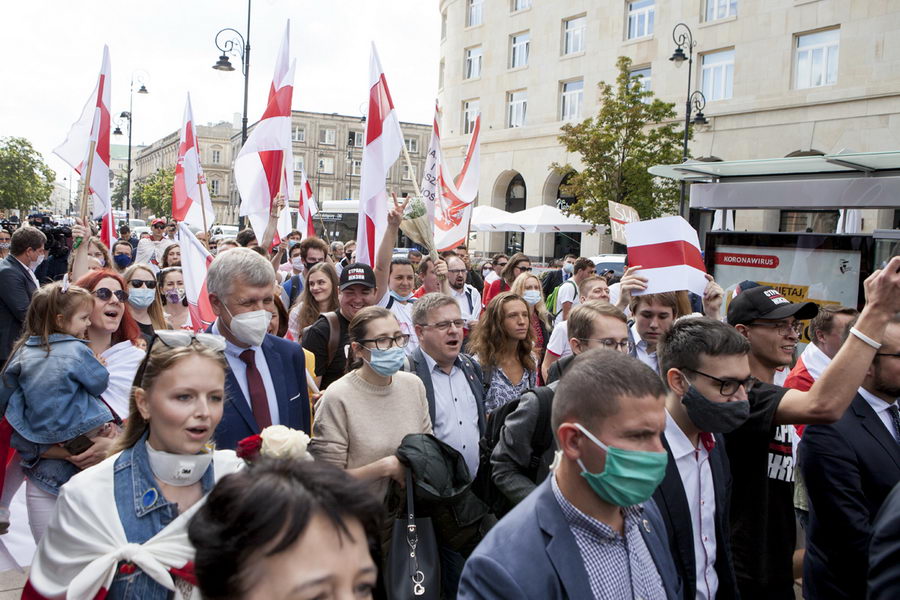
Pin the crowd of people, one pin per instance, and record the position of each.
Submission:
(589, 440)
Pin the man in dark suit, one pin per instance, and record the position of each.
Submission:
(556, 277)
(704, 363)
(18, 283)
(884, 553)
(850, 467)
(266, 379)
(591, 530)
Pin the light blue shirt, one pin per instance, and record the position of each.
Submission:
(239, 369)
(455, 411)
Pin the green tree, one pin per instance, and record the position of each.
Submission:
(154, 192)
(25, 179)
(631, 132)
(118, 193)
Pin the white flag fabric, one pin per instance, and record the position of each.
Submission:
(619, 216)
(94, 124)
(668, 250)
(454, 208)
(265, 165)
(383, 143)
(723, 220)
(429, 187)
(195, 261)
(190, 196)
(306, 208)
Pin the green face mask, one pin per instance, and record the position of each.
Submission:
(629, 477)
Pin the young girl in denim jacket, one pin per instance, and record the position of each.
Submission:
(49, 393)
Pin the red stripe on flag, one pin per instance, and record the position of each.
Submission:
(279, 102)
(370, 238)
(666, 254)
(272, 162)
(380, 104)
(103, 134)
(107, 229)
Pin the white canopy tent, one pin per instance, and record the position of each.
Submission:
(488, 218)
(548, 219)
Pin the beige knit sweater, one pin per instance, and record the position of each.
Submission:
(358, 423)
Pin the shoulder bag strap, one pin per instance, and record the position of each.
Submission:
(334, 334)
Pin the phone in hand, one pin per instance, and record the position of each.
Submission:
(78, 444)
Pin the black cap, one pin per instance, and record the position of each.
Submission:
(357, 274)
(765, 302)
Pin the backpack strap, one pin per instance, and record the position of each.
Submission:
(295, 284)
(542, 437)
(334, 334)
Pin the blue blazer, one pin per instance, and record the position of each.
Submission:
(16, 288)
(287, 365)
(472, 371)
(531, 553)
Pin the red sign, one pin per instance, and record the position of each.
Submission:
(764, 261)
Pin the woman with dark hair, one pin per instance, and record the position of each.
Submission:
(278, 324)
(503, 345)
(171, 256)
(518, 263)
(284, 525)
(319, 295)
(363, 416)
(174, 298)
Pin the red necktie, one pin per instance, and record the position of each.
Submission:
(259, 402)
(709, 442)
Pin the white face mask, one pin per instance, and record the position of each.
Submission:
(297, 263)
(36, 263)
(251, 327)
(178, 469)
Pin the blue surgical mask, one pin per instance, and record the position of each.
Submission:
(569, 267)
(141, 297)
(122, 260)
(629, 477)
(292, 243)
(532, 297)
(400, 298)
(387, 362)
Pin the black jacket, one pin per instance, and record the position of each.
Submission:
(472, 370)
(16, 288)
(884, 553)
(551, 280)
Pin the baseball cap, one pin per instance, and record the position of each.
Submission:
(155, 221)
(765, 302)
(357, 274)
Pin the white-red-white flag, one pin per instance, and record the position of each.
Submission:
(454, 208)
(190, 196)
(265, 165)
(94, 124)
(430, 190)
(383, 143)
(306, 208)
(195, 261)
(668, 251)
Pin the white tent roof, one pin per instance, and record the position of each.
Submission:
(548, 219)
(488, 218)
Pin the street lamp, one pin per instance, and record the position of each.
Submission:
(684, 39)
(236, 46)
(136, 77)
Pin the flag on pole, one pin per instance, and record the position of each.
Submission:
(454, 208)
(668, 251)
(306, 208)
(383, 142)
(429, 187)
(265, 165)
(190, 196)
(94, 124)
(619, 216)
(195, 261)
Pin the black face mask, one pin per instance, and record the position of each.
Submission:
(714, 417)
(347, 255)
(309, 265)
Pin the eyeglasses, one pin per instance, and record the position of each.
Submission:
(139, 283)
(105, 294)
(445, 325)
(525, 269)
(782, 327)
(385, 342)
(502, 264)
(612, 344)
(729, 387)
(178, 338)
(456, 271)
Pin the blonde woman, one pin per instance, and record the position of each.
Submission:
(528, 287)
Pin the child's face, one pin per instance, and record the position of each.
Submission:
(77, 326)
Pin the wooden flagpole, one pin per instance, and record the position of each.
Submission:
(86, 190)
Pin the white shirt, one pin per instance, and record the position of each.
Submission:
(239, 369)
(881, 409)
(403, 312)
(151, 252)
(30, 272)
(559, 341)
(648, 358)
(696, 479)
(463, 297)
(455, 412)
(566, 293)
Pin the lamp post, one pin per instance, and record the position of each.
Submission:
(237, 46)
(684, 39)
(136, 77)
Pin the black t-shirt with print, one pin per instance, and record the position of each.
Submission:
(315, 339)
(762, 507)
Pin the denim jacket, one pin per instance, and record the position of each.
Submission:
(144, 512)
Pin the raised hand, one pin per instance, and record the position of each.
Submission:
(395, 215)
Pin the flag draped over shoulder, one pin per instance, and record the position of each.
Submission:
(306, 208)
(453, 211)
(195, 261)
(94, 125)
(383, 143)
(190, 196)
(265, 165)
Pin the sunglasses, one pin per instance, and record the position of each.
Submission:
(159, 226)
(139, 283)
(176, 338)
(105, 294)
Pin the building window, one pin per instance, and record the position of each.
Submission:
(355, 139)
(470, 111)
(717, 74)
(720, 9)
(573, 35)
(412, 144)
(355, 167)
(325, 194)
(216, 156)
(213, 187)
(473, 63)
(407, 174)
(326, 165)
(640, 18)
(473, 13)
(441, 74)
(517, 5)
(570, 100)
(518, 49)
(327, 136)
(298, 133)
(299, 164)
(444, 25)
(644, 76)
(816, 61)
(517, 102)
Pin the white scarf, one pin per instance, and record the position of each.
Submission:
(122, 361)
(85, 540)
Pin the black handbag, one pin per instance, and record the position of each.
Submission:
(413, 565)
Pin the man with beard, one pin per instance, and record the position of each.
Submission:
(465, 294)
(850, 468)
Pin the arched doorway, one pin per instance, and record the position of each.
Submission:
(566, 243)
(516, 194)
